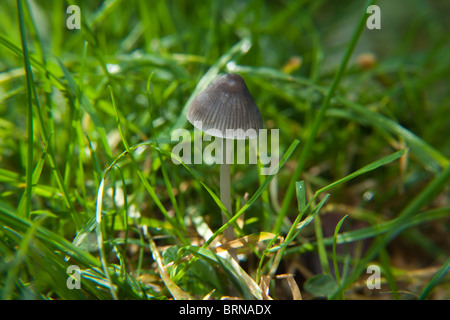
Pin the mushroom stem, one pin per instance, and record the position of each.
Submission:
(225, 189)
(225, 196)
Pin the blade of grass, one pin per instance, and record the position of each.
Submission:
(99, 232)
(125, 214)
(301, 195)
(321, 250)
(340, 292)
(217, 199)
(32, 90)
(78, 136)
(35, 179)
(196, 176)
(296, 226)
(375, 230)
(33, 61)
(370, 167)
(233, 219)
(149, 188)
(167, 182)
(431, 158)
(248, 285)
(255, 196)
(30, 83)
(176, 292)
(19, 258)
(435, 280)
(87, 106)
(319, 118)
(266, 252)
(399, 224)
(53, 240)
(388, 272)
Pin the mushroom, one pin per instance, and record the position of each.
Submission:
(226, 110)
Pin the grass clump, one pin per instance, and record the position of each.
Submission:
(87, 176)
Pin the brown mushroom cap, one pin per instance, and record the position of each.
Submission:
(226, 104)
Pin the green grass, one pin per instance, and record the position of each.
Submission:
(86, 170)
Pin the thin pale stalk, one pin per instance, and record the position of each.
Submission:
(225, 197)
